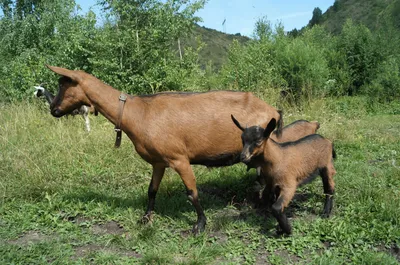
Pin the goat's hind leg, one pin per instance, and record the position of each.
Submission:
(87, 121)
(284, 196)
(185, 171)
(158, 173)
(329, 189)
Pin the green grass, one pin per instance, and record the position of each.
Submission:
(70, 197)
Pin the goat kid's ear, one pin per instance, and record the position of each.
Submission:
(235, 121)
(65, 72)
(270, 128)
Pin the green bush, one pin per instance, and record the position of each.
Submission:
(385, 88)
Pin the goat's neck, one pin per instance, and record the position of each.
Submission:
(49, 97)
(106, 100)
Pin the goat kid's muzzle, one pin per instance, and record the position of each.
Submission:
(245, 158)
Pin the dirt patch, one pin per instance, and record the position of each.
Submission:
(30, 237)
(83, 251)
(393, 250)
(287, 257)
(180, 259)
(111, 227)
(80, 220)
(223, 260)
(262, 259)
(218, 237)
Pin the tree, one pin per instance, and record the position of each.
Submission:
(262, 29)
(316, 18)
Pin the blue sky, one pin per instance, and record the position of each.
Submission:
(241, 15)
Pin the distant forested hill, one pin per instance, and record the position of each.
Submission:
(371, 13)
(216, 45)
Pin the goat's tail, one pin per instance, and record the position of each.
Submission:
(318, 124)
(333, 152)
(280, 124)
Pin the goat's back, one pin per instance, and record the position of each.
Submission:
(296, 130)
(198, 126)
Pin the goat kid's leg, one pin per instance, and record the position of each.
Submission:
(158, 173)
(329, 189)
(268, 195)
(284, 196)
(258, 188)
(185, 171)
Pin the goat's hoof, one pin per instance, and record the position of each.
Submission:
(199, 227)
(283, 232)
(147, 219)
(325, 215)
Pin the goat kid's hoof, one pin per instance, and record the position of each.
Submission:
(196, 230)
(147, 219)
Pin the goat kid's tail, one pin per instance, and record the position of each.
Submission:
(280, 124)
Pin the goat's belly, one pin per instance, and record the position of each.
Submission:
(220, 160)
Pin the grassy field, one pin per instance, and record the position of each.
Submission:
(68, 197)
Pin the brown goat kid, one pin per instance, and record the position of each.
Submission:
(292, 132)
(286, 165)
(170, 129)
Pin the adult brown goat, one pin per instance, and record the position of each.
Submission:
(286, 165)
(170, 129)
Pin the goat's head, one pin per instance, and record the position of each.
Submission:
(70, 94)
(253, 139)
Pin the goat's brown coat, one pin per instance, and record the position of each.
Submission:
(296, 130)
(170, 129)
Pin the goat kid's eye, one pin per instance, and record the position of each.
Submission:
(259, 143)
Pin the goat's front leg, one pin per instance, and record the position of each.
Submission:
(185, 171)
(158, 173)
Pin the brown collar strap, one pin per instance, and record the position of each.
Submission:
(117, 129)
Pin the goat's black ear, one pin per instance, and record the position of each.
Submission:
(270, 127)
(235, 121)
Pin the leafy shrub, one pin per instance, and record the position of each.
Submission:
(385, 88)
(303, 67)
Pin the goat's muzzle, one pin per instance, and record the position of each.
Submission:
(56, 112)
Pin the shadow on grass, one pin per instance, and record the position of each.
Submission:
(215, 194)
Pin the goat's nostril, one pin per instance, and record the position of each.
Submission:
(55, 112)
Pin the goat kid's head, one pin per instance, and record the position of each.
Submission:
(253, 139)
(70, 94)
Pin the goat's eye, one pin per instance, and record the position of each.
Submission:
(259, 143)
